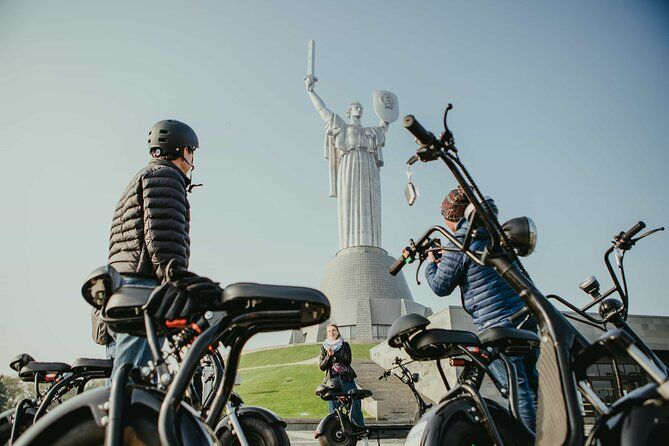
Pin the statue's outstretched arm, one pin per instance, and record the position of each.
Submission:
(318, 103)
(320, 107)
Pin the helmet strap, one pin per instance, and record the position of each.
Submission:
(191, 186)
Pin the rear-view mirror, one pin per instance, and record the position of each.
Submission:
(411, 193)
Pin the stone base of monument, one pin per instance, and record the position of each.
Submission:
(365, 299)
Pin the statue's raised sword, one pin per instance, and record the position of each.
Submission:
(310, 63)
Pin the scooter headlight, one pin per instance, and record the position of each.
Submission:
(522, 234)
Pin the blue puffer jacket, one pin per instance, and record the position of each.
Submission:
(486, 296)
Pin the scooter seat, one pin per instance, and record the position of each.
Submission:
(244, 291)
(510, 340)
(123, 310)
(404, 327)
(303, 306)
(33, 368)
(439, 343)
(20, 360)
(92, 365)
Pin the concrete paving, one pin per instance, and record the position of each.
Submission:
(304, 438)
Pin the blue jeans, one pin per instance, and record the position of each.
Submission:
(356, 407)
(126, 348)
(528, 383)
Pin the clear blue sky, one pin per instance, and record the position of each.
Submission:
(561, 113)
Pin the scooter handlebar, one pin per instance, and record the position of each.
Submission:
(423, 136)
(397, 266)
(516, 317)
(634, 230)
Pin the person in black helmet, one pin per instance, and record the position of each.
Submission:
(151, 224)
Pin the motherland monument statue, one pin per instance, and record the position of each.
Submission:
(365, 298)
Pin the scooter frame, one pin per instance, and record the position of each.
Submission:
(559, 419)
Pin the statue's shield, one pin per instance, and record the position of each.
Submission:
(386, 106)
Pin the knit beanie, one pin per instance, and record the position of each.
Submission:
(454, 205)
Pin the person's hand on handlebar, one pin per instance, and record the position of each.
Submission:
(433, 258)
(183, 295)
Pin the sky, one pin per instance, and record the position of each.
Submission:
(560, 113)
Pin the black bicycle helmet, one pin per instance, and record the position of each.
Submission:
(169, 137)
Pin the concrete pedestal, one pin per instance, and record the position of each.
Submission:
(363, 295)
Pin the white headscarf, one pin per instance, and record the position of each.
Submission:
(334, 345)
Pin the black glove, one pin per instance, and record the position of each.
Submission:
(185, 294)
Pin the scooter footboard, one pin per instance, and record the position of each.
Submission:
(558, 413)
(551, 429)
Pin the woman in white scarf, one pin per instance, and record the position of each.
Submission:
(335, 361)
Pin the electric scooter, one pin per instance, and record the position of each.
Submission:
(410, 379)
(565, 353)
(151, 409)
(338, 429)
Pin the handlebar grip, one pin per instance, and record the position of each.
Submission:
(397, 266)
(423, 136)
(519, 315)
(634, 231)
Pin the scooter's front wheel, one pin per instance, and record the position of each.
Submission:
(333, 435)
(258, 432)
(88, 433)
(466, 433)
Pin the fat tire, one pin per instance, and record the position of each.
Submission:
(465, 432)
(88, 433)
(5, 433)
(332, 435)
(258, 432)
(7, 425)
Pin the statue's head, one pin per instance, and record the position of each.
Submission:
(354, 110)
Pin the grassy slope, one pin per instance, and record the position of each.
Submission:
(287, 355)
(287, 390)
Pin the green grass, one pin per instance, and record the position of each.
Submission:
(287, 390)
(287, 355)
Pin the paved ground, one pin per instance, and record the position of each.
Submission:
(303, 438)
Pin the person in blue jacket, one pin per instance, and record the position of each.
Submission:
(485, 296)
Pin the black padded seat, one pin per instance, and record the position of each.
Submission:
(244, 291)
(509, 339)
(127, 301)
(92, 365)
(20, 360)
(404, 327)
(329, 393)
(123, 311)
(29, 370)
(439, 343)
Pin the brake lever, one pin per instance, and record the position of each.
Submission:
(413, 160)
(421, 261)
(661, 228)
(447, 138)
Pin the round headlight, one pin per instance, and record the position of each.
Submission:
(522, 234)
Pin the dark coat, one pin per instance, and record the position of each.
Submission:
(151, 222)
(342, 356)
(485, 295)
